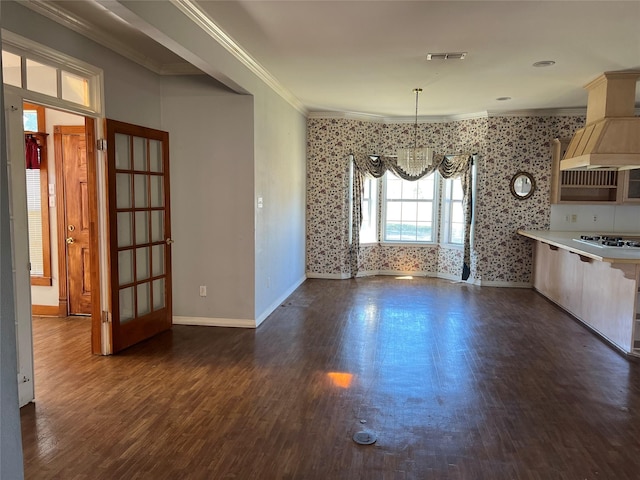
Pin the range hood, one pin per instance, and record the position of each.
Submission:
(611, 137)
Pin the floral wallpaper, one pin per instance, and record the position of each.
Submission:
(505, 145)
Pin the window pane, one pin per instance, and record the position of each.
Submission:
(34, 222)
(457, 215)
(392, 231)
(142, 228)
(368, 230)
(157, 259)
(410, 190)
(42, 78)
(125, 229)
(143, 259)
(125, 267)
(425, 211)
(457, 233)
(126, 305)
(144, 298)
(157, 226)
(11, 71)
(410, 211)
(394, 187)
(457, 193)
(123, 190)
(158, 294)
(123, 154)
(425, 188)
(30, 121)
(424, 232)
(140, 153)
(75, 88)
(141, 191)
(409, 232)
(394, 211)
(155, 155)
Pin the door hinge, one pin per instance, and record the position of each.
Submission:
(101, 144)
(106, 317)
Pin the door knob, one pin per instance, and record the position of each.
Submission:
(169, 241)
(70, 240)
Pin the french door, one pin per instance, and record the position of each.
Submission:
(139, 232)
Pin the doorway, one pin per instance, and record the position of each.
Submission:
(62, 241)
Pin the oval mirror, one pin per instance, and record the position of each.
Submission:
(522, 185)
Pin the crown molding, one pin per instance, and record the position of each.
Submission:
(95, 33)
(202, 20)
(541, 112)
(347, 116)
(559, 112)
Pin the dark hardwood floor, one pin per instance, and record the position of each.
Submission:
(456, 381)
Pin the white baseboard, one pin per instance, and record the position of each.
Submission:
(329, 276)
(214, 322)
(484, 283)
(404, 273)
(238, 322)
(269, 310)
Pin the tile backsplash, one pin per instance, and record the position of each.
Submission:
(595, 218)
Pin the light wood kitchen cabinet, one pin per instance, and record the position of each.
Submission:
(605, 296)
(596, 186)
(631, 186)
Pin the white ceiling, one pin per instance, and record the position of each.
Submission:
(367, 56)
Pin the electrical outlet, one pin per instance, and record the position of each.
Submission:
(574, 217)
(595, 218)
(203, 290)
(567, 218)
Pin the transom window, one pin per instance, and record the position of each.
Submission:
(50, 76)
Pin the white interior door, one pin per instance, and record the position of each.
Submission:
(19, 244)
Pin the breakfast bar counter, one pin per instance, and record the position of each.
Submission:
(571, 241)
(599, 285)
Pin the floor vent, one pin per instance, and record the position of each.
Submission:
(364, 438)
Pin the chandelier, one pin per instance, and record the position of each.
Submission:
(415, 160)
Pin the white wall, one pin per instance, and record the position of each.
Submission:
(211, 158)
(280, 172)
(279, 150)
(596, 218)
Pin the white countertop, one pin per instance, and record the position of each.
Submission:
(565, 240)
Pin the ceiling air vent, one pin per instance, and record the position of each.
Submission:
(447, 56)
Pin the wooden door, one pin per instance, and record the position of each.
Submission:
(139, 232)
(71, 152)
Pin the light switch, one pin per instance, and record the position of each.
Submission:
(52, 189)
(260, 203)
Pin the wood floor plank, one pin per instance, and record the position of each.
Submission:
(456, 381)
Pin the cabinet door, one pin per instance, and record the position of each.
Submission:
(631, 179)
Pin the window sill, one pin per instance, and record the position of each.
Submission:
(452, 246)
(409, 244)
(41, 281)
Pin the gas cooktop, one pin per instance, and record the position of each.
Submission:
(609, 240)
